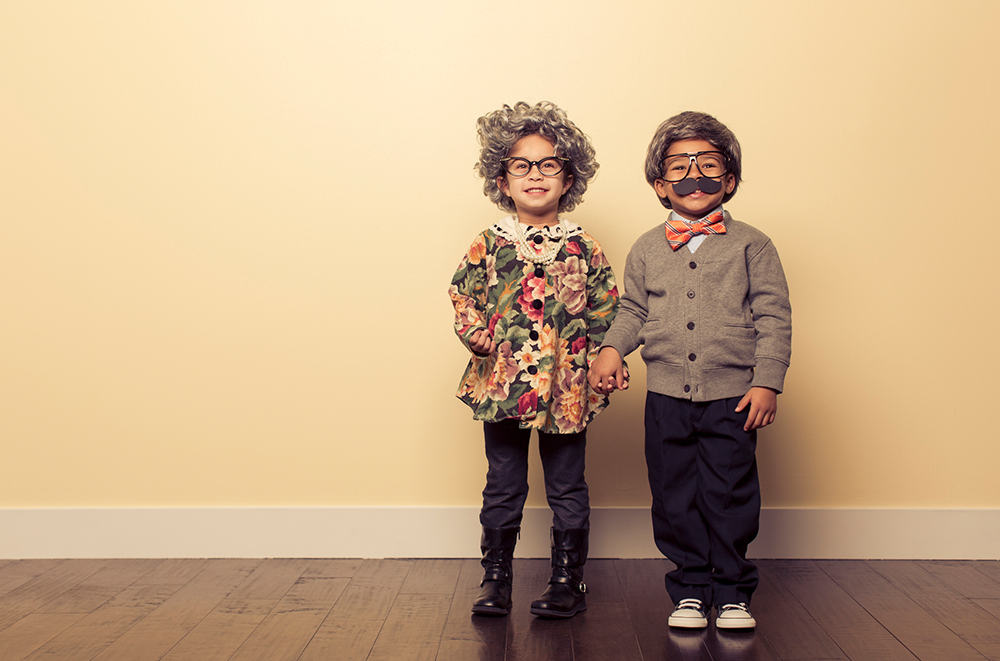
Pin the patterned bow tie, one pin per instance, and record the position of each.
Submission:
(679, 232)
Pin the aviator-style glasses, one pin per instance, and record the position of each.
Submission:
(519, 167)
(678, 166)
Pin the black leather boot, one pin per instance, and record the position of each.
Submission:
(497, 546)
(566, 594)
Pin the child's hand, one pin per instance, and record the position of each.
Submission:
(482, 342)
(607, 373)
(763, 407)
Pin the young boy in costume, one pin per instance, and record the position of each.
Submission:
(706, 297)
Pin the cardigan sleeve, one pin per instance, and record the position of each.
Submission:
(623, 336)
(772, 317)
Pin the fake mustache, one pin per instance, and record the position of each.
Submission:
(705, 185)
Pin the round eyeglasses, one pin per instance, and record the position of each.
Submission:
(519, 167)
(677, 167)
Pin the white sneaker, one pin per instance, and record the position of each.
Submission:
(688, 614)
(735, 616)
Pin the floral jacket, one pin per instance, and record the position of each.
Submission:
(548, 323)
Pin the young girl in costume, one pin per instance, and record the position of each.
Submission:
(533, 298)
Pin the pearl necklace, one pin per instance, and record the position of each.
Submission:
(549, 253)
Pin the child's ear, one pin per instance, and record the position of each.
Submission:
(730, 183)
(660, 187)
(502, 185)
(567, 183)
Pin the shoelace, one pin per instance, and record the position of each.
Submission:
(690, 603)
(743, 608)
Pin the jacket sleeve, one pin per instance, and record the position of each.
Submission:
(602, 299)
(772, 318)
(469, 291)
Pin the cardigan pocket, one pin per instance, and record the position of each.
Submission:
(734, 347)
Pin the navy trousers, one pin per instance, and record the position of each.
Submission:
(706, 496)
(507, 478)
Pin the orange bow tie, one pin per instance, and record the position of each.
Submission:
(679, 232)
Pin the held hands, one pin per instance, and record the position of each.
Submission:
(763, 406)
(607, 373)
(482, 342)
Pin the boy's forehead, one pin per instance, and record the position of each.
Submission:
(689, 146)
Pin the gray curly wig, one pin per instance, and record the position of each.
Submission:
(697, 125)
(499, 130)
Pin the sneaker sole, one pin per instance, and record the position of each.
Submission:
(746, 626)
(687, 623)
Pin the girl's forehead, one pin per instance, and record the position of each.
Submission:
(533, 143)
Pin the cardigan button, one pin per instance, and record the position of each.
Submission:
(693, 265)
(690, 294)
(533, 335)
(532, 369)
(539, 272)
(690, 325)
(692, 357)
(687, 388)
(538, 238)
(537, 305)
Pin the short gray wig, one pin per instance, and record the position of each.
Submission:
(693, 125)
(501, 129)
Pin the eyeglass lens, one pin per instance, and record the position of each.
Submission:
(519, 167)
(679, 166)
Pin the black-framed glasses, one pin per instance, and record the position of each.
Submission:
(519, 167)
(677, 167)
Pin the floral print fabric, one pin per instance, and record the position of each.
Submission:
(547, 321)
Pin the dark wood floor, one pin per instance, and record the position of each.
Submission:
(276, 610)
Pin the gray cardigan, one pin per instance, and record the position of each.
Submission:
(713, 323)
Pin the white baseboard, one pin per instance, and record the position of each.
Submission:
(453, 532)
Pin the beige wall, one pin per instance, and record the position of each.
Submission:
(228, 229)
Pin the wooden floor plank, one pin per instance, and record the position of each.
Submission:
(739, 646)
(964, 578)
(413, 628)
(432, 577)
(158, 632)
(38, 591)
(271, 579)
(99, 629)
(927, 638)
(975, 626)
(173, 572)
(32, 632)
(222, 631)
(333, 567)
(351, 628)
(92, 592)
(990, 568)
(284, 634)
(15, 573)
(789, 628)
(604, 633)
(850, 626)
